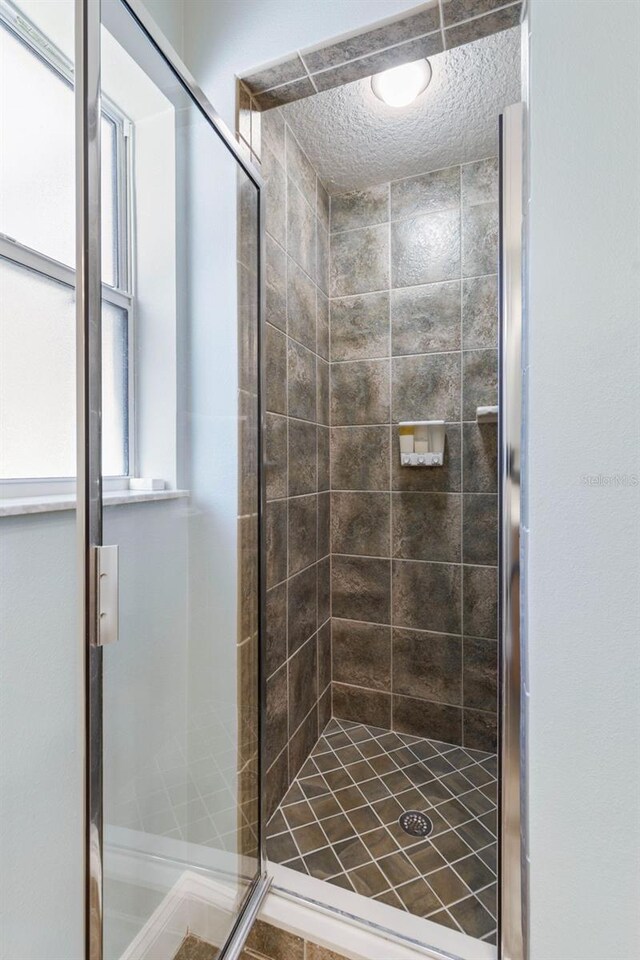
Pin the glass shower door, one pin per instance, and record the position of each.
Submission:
(174, 669)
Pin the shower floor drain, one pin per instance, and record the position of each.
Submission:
(415, 824)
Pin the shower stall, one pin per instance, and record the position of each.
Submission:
(259, 459)
(393, 261)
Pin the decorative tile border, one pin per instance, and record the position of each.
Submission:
(437, 26)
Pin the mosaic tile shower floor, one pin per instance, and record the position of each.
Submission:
(339, 822)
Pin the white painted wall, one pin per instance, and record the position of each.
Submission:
(226, 38)
(41, 800)
(583, 542)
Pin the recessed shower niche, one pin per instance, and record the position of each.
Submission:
(382, 562)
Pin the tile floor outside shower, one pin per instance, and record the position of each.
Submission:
(339, 822)
(188, 789)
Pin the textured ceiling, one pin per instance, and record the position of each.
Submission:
(354, 140)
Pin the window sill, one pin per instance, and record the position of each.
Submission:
(19, 506)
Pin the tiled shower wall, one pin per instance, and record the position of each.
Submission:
(297, 453)
(414, 551)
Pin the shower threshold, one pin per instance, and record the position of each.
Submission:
(339, 822)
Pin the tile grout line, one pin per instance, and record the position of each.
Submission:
(307, 72)
(462, 480)
(442, 33)
(444, 703)
(442, 563)
(408, 288)
(418, 176)
(318, 693)
(391, 455)
(481, 16)
(286, 287)
(378, 492)
(413, 356)
(416, 215)
(330, 350)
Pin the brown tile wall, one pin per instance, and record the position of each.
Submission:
(413, 553)
(248, 522)
(413, 307)
(297, 451)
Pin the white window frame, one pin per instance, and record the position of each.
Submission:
(121, 294)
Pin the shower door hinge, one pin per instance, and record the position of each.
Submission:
(107, 594)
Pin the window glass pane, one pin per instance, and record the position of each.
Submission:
(37, 378)
(37, 190)
(108, 208)
(114, 390)
(37, 375)
(37, 170)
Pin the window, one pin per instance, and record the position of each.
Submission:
(37, 256)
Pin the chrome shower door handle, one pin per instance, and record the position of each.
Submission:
(107, 594)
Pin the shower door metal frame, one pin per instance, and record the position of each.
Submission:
(88, 442)
(512, 885)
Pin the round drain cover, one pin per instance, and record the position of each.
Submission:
(416, 824)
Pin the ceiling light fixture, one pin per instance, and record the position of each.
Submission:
(401, 85)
